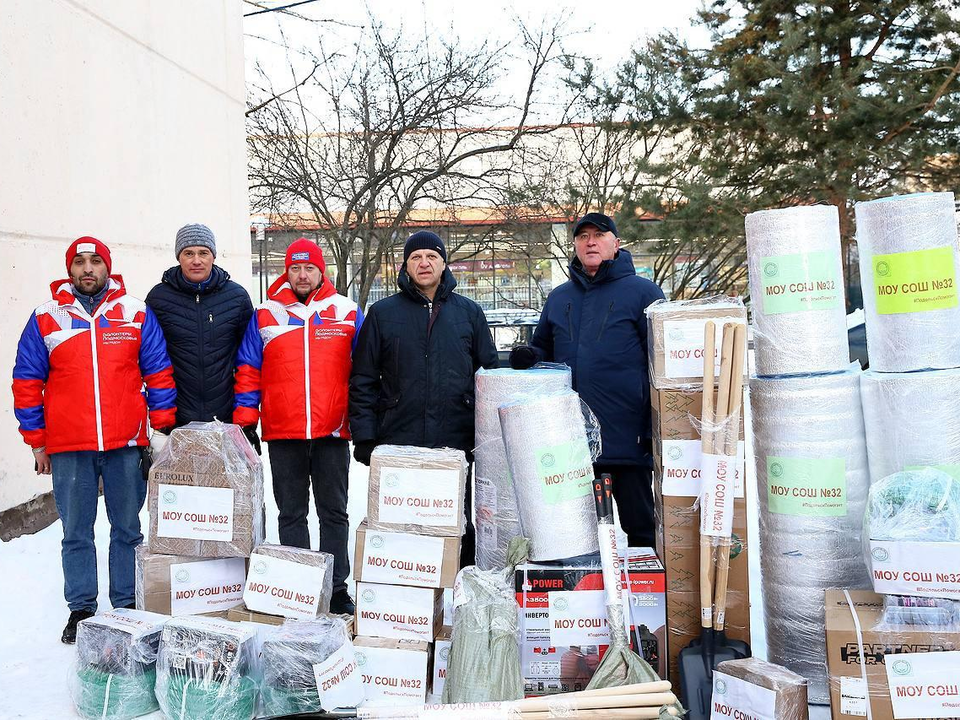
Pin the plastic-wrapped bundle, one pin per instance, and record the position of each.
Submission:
(174, 585)
(912, 420)
(208, 669)
(289, 581)
(495, 503)
(550, 452)
(417, 490)
(116, 664)
(909, 257)
(484, 660)
(205, 493)
(290, 656)
(812, 480)
(796, 282)
(735, 684)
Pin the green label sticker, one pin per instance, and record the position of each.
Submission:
(953, 470)
(807, 486)
(566, 471)
(800, 282)
(915, 281)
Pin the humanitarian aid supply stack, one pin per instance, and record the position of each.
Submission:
(407, 553)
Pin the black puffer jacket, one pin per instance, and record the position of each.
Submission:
(203, 325)
(412, 382)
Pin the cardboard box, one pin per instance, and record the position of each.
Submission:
(175, 585)
(289, 581)
(675, 337)
(417, 490)
(673, 409)
(441, 652)
(393, 558)
(755, 689)
(400, 612)
(563, 625)
(897, 655)
(394, 672)
(241, 613)
(678, 544)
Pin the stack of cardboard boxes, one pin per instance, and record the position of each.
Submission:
(407, 553)
(676, 332)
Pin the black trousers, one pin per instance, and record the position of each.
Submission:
(324, 464)
(468, 543)
(633, 491)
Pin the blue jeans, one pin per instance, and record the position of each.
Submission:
(76, 478)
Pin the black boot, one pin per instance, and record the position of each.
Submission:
(70, 631)
(342, 604)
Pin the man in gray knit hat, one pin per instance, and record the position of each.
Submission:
(203, 315)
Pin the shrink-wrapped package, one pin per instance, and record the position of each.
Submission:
(205, 494)
(289, 581)
(174, 585)
(758, 690)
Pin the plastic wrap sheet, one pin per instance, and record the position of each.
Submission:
(115, 669)
(912, 420)
(812, 482)
(495, 503)
(909, 257)
(739, 684)
(417, 490)
(290, 655)
(796, 282)
(551, 447)
(300, 586)
(208, 669)
(205, 481)
(675, 338)
(175, 585)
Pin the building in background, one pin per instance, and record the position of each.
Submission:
(122, 120)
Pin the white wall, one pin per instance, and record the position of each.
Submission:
(121, 119)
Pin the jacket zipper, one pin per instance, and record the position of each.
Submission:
(306, 372)
(96, 380)
(569, 323)
(605, 317)
(202, 358)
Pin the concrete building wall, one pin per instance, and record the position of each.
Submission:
(122, 120)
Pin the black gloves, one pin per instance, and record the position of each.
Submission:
(362, 450)
(523, 357)
(251, 432)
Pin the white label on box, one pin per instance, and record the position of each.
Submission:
(578, 617)
(716, 504)
(195, 513)
(411, 496)
(924, 685)
(206, 586)
(739, 699)
(402, 559)
(339, 684)
(392, 676)
(927, 569)
(682, 460)
(683, 345)
(394, 611)
(281, 587)
(853, 696)
(135, 622)
(441, 654)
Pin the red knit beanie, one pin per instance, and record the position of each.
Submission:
(302, 250)
(88, 244)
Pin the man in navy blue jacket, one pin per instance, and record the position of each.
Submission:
(595, 323)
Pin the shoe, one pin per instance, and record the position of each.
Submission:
(131, 606)
(69, 636)
(342, 604)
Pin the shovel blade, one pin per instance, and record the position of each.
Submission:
(696, 685)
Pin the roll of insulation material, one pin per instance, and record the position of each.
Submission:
(909, 258)
(912, 420)
(813, 481)
(495, 503)
(548, 454)
(796, 282)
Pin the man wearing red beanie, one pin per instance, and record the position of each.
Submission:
(82, 364)
(294, 362)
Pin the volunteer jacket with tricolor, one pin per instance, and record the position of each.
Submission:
(78, 382)
(294, 363)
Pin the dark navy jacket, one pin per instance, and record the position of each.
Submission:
(412, 379)
(597, 326)
(203, 326)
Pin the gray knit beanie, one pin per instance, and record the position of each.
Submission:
(195, 235)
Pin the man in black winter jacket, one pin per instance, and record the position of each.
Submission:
(412, 377)
(595, 323)
(203, 315)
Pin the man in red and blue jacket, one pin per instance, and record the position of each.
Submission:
(78, 390)
(294, 362)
